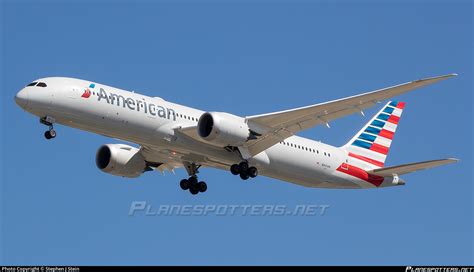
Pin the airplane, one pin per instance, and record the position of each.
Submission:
(171, 136)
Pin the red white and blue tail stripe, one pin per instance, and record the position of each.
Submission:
(368, 149)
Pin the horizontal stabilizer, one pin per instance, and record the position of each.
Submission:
(410, 167)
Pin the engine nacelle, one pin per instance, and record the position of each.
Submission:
(224, 129)
(120, 160)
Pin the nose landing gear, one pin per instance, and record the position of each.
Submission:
(48, 121)
(244, 170)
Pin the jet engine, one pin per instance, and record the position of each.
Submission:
(224, 129)
(120, 160)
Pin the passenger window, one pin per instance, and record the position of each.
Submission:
(31, 84)
(41, 84)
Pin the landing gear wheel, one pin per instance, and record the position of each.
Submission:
(192, 184)
(184, 184)
(244, 170)
(253, 172)
(194, 190)
(244, 175)
(48, 121)
(193, 180)
(52, 133)
(243, 166)
(202, 186)
(235, 169)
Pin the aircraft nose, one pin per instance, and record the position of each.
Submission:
(21, 98)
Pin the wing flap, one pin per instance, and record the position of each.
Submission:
(410, 167)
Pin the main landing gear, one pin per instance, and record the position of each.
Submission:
(244, 170)
(192, 184)
(48, 121)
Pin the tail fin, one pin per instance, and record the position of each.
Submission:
(368, 149)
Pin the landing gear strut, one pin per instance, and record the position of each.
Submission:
(48, 121)
(192, 184)
(244, 170)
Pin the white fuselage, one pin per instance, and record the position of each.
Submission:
(150, 121)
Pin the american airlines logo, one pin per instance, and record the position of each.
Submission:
(140, 105)
(87, 93)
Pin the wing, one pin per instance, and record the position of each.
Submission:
(277, 126)
(166, 159)
(410, 167)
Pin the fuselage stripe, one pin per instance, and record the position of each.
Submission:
(369, 160)
(361, 174)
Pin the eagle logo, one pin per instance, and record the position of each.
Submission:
(87, 91)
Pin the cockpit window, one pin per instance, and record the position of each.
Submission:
(41, 84)
(31, 84)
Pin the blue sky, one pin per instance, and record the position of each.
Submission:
(245, 58)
